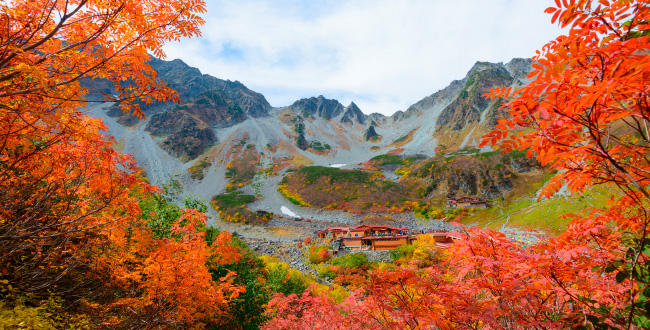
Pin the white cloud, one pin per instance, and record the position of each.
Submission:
(383, 55)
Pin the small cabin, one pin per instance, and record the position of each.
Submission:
(453, 202)
(367, 237)
(378, 237)
(331, 234)
(376, 243)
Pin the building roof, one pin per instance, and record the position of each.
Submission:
(333, 229)
(455, 234)
(465, 199)
(376, 237)
(375, 227)
(362, 227)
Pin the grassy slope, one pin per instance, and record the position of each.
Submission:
(521, 209)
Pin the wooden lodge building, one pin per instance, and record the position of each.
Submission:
(453, 202)
(445, 239)
(377, 238)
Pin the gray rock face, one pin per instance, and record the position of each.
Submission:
(470, 103)
(462, 103)
(328, 109)
(370, 133)
(353, 113)
(187, 125)
(377, 119)
(187, 136)
(190, 84)
(523, 164)
(519, 67)
(318, 106)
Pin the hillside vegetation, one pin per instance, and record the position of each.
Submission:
(348, 190)
(486, 175)
(424, 183)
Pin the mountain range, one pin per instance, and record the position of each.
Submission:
(224, 134)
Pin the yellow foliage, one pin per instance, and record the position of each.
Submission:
(271, 262)
(402, 171)
(337, 292)
(18, 311)
(422, 255)
(381, 266)
(426, 241)
(294, 198)
(236, 218)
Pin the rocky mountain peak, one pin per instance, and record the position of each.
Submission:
(519, 67)
(482, 66)
(376, 119)
(189, 82)
(318, 106)
(353, 113)
(470, 103)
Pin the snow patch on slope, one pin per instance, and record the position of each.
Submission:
(285, 210)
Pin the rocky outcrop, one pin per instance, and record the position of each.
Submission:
(318, 106)
(470, 102)
(371, 134)
(190, 122)
(519, 68)
(522, 164)
(328, 109)
(186, 136)
(353, 114)
(190, 83)
(377, 119)
(487, 176)
(301, 141)
(213, 107)
(285, 251)
(441, 97)
(462, 102)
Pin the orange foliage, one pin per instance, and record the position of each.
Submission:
(70, 224)
(395, 151)
(169, 274)
(586, 114)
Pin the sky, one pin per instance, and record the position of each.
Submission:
(383, 55)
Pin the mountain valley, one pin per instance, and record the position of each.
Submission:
(225, 144)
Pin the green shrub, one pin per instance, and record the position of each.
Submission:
(404, 250)
(233, 199)
(387, 160)
(281, 279)
(318, 255)
(314, 172)
(352, 260)
(326, 272)
(203, 101)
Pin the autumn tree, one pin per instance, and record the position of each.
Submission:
(71, 227)
(310, 311)
(247, 310)
(585, 113)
